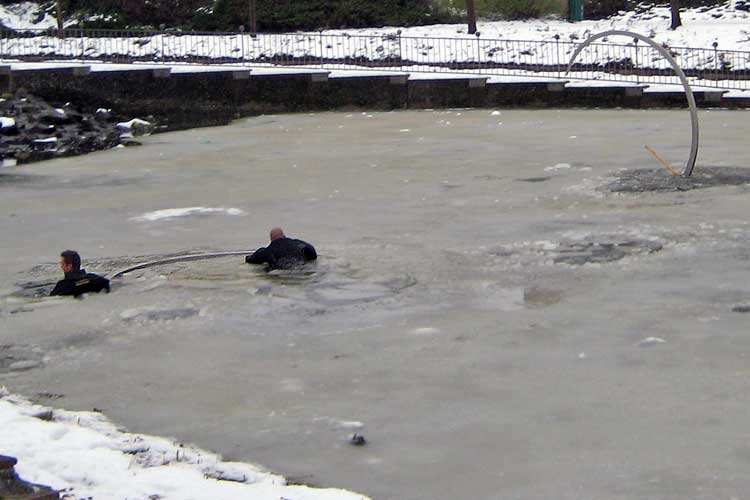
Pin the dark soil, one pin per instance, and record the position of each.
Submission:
(655, 180)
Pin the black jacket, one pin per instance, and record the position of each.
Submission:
(79, 282)
(283, 253)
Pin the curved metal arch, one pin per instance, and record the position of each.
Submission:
(690, 165)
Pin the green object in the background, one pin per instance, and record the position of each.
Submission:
(575, 10)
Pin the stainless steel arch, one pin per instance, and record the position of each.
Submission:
(690, 165)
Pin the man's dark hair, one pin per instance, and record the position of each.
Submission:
(72, 257)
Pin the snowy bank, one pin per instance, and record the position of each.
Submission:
(26, 15)
(553, 42)
(33, 130)
(724, 24)
(87, 456)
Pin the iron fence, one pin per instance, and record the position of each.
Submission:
(626, 61)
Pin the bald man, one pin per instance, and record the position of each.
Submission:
(283, 252)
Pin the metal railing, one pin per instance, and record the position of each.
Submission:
(629, 62)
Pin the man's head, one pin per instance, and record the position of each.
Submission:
(276, 233)
(70, 261)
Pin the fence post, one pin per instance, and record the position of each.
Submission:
(479, 53)
(242, 43)
(83, 46)
(637, 64)
(716, 59)
(400, 50)
(557, 60)
(320, 35)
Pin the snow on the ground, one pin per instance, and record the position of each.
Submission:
(438, 50)
(6, 122)
(135, 122)
(86, 455)
(650, 84)
(46, 65)
(737, 94)
(498, 43)
(273, 70)
(25, 15)
(602, 83)
(701, 28)
(172, 213)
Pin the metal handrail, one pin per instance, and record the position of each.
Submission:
(603, 60)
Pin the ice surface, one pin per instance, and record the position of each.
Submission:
(268, 353)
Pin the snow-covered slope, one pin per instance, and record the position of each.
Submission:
(723, 24)
(723, 28)
(702, 27)
(25, 15)
(89, 457)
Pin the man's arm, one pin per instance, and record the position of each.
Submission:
(99, 283)
(62, 288)
(309, 252)
(259, 257)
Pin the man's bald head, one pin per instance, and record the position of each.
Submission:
(276, 233)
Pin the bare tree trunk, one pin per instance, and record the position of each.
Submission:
(674, 6)
(471, 14)
(60, 32)
(253, 17)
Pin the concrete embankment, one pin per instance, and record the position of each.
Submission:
(182, 97)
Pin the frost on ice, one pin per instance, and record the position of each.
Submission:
(172, 213)
(649, 341)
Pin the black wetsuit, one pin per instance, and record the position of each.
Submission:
(77, 283)
(283, 253)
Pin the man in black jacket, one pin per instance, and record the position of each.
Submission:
(77, 281)
(283, 252)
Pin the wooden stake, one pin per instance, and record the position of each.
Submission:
(662, 161)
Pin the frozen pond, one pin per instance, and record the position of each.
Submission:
(485, 311)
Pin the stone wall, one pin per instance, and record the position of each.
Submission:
(185, 100)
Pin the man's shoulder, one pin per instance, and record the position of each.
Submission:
(282, 244)
(92, 276)
(90, 282)
(301, 242)
(63, 287)
(79, 284)
(96, 278)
